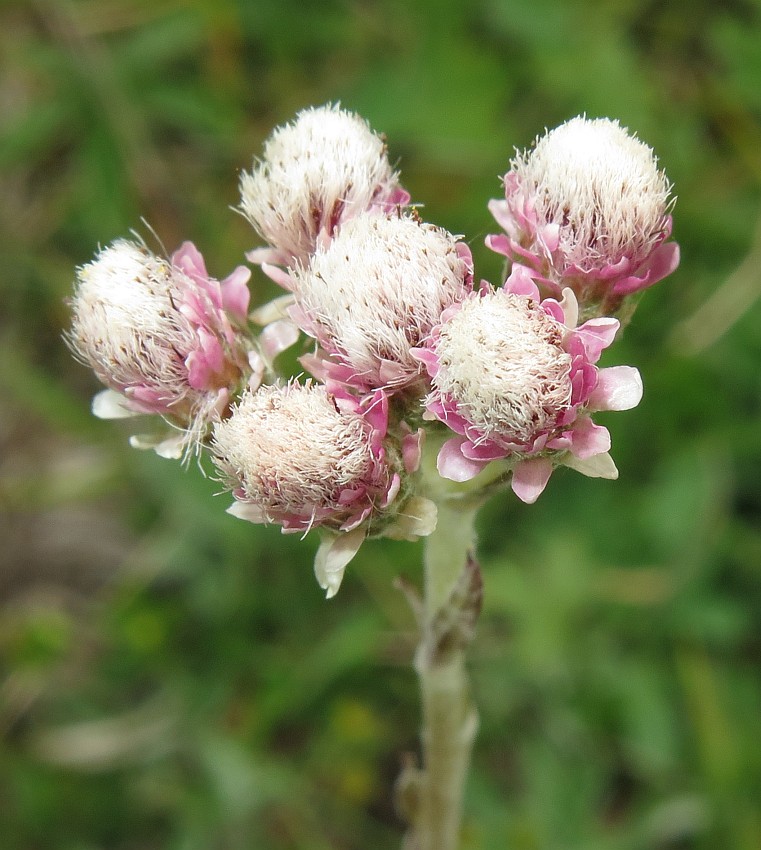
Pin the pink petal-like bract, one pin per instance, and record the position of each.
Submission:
(453, 465)
(617, 388)
(530, 477)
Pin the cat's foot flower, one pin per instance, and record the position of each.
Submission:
(588, 208)
(324, 168)
(164, 337)
(514, 378)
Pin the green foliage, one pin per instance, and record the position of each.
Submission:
(172, 677)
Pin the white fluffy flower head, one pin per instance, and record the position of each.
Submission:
(601, 186)
(290, 451)
(501, 360)
(126, 325)
(324, 167)
(378, 290)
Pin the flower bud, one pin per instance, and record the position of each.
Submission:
(375, 293)
(516, 380)
(588, 208)
(159, 334)
(324, 168)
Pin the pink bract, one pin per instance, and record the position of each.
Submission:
(208, 305)
(231, 294)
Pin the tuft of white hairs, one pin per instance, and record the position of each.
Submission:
(126, 325)
(378, 290)
(290, 450)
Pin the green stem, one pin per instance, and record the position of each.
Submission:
(449, 609)
(446, 551)
(450, 719)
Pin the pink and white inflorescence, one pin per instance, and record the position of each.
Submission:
(162, 335)
(375, 293)
(400, 335)
(316, 173)
(588, 208)
(515, 379)
(305, 456)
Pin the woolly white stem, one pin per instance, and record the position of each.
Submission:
(450, 719)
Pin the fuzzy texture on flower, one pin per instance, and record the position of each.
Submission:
(317, 172)
(374, 294)
(515, 379)
(307, 456)
(162, 335)
(303, 456)
(588, 208)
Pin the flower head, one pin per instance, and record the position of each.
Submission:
(295, 458)
(375, 293)
(324, 168)
(305, 456)
(588, 208)
(515, 379)
(162, 335)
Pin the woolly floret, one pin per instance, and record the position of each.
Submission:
(126, 325)
(601, 186)
(290, 451)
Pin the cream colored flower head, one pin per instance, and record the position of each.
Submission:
(515, 379)
(291, 456)
(376, 292)
(163, 336)
(588, 207)
(127, 327)
(304, 456)
(601, 186)
(315, 173)
(503, 361)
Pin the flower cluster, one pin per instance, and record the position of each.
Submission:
(502, 377)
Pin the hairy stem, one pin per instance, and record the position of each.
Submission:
(450, 719)
(431, 797)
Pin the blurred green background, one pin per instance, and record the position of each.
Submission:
(172, 677)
